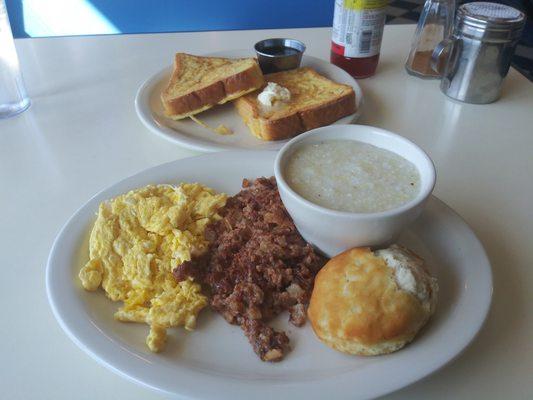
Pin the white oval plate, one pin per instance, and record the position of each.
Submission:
(190, 135)
(216, 361)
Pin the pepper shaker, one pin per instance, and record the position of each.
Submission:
(434, 25)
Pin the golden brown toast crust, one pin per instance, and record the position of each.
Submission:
(227, 88)
(277, 129)
(328, 113)
(300, 119)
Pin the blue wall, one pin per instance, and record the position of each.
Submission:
(141, 16)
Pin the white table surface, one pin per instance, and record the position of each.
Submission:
(81, 134)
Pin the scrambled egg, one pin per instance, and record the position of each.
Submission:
(137, 240)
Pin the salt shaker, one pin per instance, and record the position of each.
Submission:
(476, 58)
(435, 25)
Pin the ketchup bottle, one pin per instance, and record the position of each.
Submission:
(357, 33)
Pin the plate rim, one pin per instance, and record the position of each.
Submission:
(143, 109)
(107, 361)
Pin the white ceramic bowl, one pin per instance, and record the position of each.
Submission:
(332, 231)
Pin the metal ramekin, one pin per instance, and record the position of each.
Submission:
(274, 63)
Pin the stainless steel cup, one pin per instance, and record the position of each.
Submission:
(279, 54)
(474, 61)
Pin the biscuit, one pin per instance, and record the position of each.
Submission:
(371, 303)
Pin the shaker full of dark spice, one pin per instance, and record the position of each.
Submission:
(435, 25)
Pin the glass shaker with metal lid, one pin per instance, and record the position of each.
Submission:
(434, 25)
(474, 61)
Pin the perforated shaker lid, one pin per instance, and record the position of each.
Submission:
(491, 16)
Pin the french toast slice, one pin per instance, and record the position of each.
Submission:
(315, 101)
(198, 83)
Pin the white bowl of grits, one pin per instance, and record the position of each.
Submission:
(352, 185)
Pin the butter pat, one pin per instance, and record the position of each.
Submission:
(272, 94)
(407, 271)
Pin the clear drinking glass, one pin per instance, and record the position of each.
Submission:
(13, 97)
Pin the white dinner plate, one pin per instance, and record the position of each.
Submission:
(216, 361)
(189, 134)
